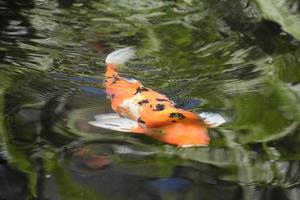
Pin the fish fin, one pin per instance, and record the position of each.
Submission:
(120, 56)
(113, 121)
(212, 119)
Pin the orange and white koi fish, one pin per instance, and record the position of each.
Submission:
(142, 110)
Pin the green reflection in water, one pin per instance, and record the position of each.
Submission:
(284, 12)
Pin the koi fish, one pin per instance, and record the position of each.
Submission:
(141, 110)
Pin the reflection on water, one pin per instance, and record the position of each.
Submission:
(206, 55)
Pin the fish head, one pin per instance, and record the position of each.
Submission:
(185, 134)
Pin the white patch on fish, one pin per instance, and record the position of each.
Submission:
(130, 80)
(132, 105)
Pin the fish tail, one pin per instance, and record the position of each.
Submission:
(120, 56)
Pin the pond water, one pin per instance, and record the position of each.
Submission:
(206, 55)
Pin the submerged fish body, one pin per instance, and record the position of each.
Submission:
(142, 110)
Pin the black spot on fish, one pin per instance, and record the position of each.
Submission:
(143, 102)
(173, 121)
(158, 99)
(141, 121)
(177, 115)
(159, 107)
(112, 96)
(140, 89)
(115, 79)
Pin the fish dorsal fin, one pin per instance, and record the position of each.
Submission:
(212, 119)
(113, 121)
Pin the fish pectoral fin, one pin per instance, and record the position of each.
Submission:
(113, 121)
(212, 119)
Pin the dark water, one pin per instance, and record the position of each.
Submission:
(207, 55)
